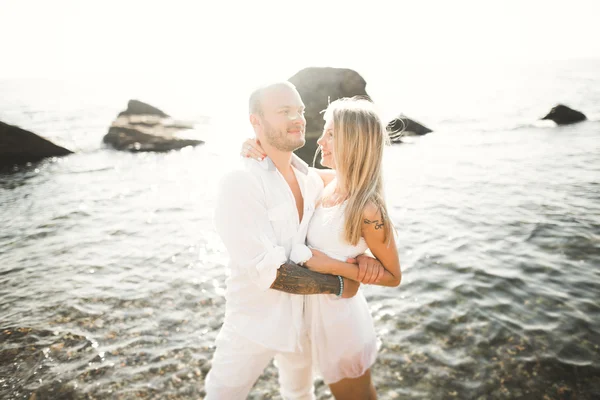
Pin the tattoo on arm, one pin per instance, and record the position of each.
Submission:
(292, 278)
(378, 225)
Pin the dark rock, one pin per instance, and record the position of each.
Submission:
(19, 146)
(136, 107)
(318, 87)
(135, 131)
(129, 139)
(563, 115)
(404, 126)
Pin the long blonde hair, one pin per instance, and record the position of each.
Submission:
(359, 139)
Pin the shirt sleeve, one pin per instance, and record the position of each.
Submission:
(242, 222)
(300, 253)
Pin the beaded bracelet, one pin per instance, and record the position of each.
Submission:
(341, 286)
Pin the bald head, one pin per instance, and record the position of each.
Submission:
(256, 97)
(277, 117)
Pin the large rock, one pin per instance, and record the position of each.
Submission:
(143, 127)
(404, 126)
(18, 146)
(318, 87)
(564, 115)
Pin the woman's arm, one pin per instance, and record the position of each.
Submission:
(384, 250)
(364, 269)
(327, 175)
(251, 148)
(322, 263)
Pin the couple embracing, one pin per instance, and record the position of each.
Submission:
(296, 238)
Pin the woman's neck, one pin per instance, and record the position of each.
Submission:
(336, 193)
(339, 189)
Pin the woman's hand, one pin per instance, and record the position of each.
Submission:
(370, 270)
(319, 262)
(251, 148)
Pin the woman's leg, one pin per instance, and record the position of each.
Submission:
(360, 388)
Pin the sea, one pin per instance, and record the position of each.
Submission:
(112, 275)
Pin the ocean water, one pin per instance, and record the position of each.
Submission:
(112, 276)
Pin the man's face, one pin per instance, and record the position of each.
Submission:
(282, 124)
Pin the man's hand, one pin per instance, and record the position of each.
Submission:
(370, 269)
(350, 288)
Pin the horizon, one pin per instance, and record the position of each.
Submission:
(71, 40)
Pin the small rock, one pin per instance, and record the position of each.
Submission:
(563, 115)
(57, 346)
(206, 367)
(404, 126)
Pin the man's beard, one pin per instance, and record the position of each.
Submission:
(280, 139)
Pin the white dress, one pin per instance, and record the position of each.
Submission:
(343, 339)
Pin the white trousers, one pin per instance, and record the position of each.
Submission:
(238, 362)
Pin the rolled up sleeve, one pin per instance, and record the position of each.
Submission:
(300, 253)
(242, 222)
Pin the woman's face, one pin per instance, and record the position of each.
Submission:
(325, 143)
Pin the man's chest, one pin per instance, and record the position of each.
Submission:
(288, 207)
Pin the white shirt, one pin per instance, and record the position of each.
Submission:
(257, 219)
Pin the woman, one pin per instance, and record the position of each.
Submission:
(350, 218)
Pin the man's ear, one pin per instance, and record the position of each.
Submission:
(254, 120)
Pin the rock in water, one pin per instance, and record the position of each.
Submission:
(136, 107)
(404, 126)
(19, 146)
(564, 115)
(143, 127)
(318, 87)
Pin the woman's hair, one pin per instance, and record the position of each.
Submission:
(359, 138)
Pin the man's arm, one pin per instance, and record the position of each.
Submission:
(242, 221)
(292, 278)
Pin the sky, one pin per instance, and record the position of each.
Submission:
(264, 38)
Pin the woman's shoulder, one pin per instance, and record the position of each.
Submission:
(326, 175)
(371, 211)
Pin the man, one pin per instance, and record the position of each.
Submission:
(262, 216)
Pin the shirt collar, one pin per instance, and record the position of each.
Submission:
(297, 163)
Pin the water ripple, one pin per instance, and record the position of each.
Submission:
(112, 276)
